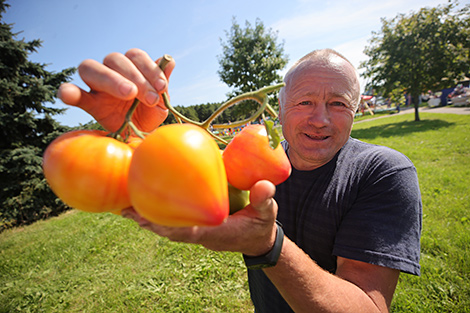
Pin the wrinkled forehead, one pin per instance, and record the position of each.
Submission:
(333, 64)
(334, 69)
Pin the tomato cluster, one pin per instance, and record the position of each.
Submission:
(176, 176)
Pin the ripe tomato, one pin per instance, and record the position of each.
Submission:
(88, 170)
(134, 142)
(248, 158)
(177, 178)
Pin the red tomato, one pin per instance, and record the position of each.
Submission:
(88, 170)
(177, 178)
(248, 158)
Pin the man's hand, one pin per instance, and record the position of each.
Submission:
(251, 231)
(115, 84)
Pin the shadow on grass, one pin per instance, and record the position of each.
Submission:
(399, 129)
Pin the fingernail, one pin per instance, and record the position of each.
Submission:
(160, 84)
(125, 88)
(151, 98)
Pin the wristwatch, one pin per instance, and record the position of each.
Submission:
(269, 259)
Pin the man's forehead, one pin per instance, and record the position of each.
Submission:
(331, 63)
(334, 66)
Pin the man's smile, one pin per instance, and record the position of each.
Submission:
(317, 137)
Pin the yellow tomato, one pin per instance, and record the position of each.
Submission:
(177, 178)
(88, 170)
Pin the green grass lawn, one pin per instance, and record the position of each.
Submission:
(439, 146)
(80, 262)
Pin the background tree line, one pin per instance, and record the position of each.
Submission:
(200, 112)
(420, 51)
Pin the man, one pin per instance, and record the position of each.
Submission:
(351, 212)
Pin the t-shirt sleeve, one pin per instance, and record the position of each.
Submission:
(383, 225)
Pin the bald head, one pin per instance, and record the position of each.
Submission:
(326, 58)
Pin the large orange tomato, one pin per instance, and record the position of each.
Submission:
(134, 142)
(249, 158)
(88, 170)
(177, 178)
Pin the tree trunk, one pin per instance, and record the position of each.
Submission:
(416, 105)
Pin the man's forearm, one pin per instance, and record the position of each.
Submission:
(308, 288)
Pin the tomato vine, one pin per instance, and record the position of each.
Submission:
(260, 96)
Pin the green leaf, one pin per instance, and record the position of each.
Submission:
(273, 134)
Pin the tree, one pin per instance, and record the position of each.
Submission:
(250, 60)
(26, 127)
(425, 50)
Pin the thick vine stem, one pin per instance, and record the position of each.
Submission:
(260, 96)
(177, 114)
(127, 122)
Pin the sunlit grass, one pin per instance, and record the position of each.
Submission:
(82, 262)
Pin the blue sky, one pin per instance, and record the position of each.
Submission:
(190, 31)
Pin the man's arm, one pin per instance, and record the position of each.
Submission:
(356, 287)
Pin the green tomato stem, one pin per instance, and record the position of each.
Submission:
(177, 114)
(127, 120)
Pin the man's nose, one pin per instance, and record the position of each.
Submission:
(319, 115)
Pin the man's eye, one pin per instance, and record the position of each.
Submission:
(304, 103)
(337, 103)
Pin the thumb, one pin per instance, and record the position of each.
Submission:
(261, 197)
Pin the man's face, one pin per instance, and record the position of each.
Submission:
(318, 112)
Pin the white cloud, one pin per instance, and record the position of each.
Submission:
(343, 25)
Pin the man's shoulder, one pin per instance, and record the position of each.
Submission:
(369, 154)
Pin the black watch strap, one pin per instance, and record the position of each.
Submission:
(269, 259)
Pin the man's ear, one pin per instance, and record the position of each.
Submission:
(280, 113)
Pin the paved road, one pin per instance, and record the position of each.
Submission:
(454, 110)
(445, 109)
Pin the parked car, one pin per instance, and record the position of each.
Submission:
(460, 96)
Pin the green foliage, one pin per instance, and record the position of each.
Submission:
(250, 60)
(425, 50)
(26, 127)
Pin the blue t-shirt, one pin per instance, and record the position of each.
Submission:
(365, 205)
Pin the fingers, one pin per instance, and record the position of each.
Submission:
(178, 234)
(261, 195)
(100, 77)
(70, 94)
(127, 76)
(154, 79)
